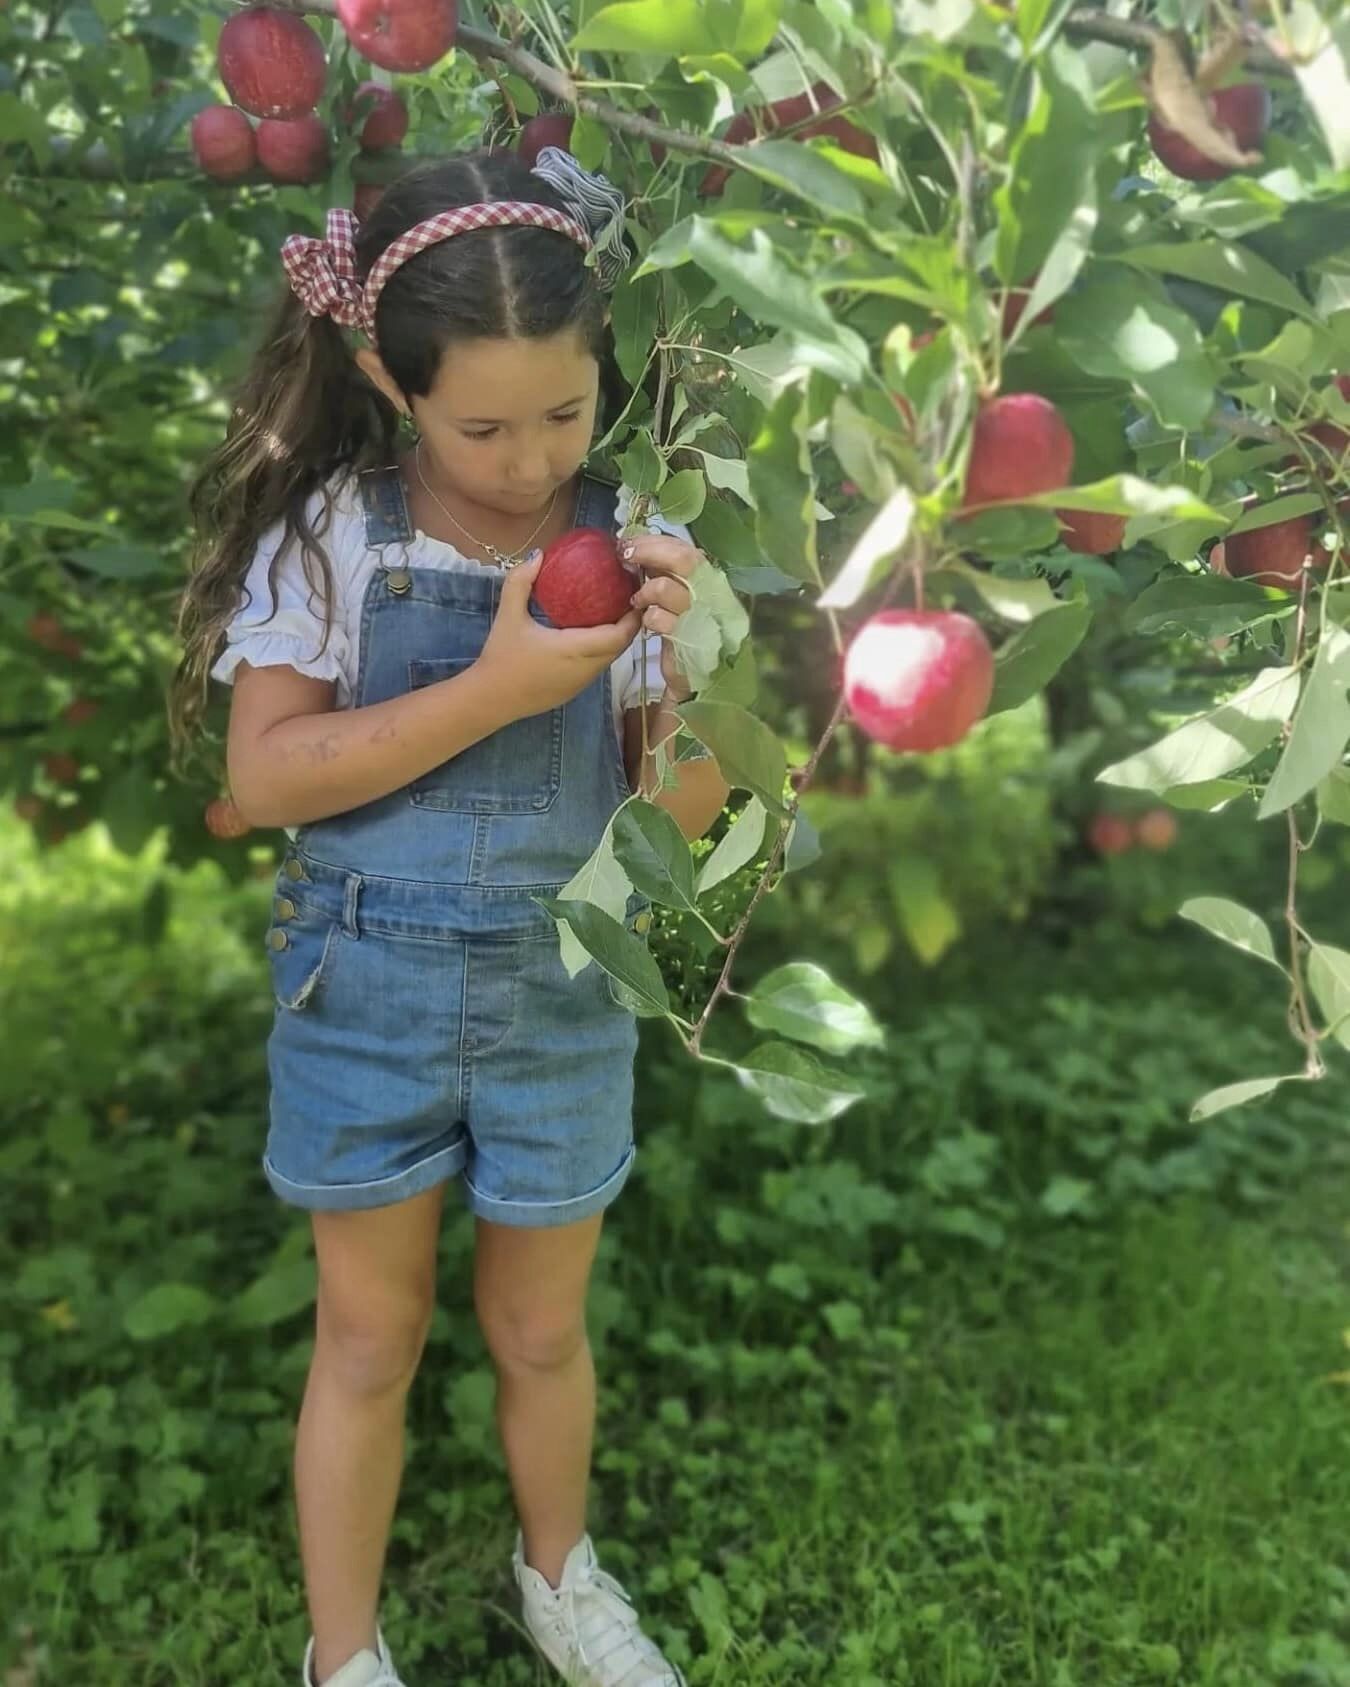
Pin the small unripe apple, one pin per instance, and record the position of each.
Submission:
(1156, 829)
(272, 62)
(293, 151)
(918, 679)
(550, 128)
(1090, 533)
(581, 582)
(1244, 111)
(61, 767)
(1273, 555)
(223, 819)
(386, 121)
(1110, 834)
(223, 142)
(1021, 446)
(402, 35)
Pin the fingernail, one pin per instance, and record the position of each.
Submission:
(625, 548)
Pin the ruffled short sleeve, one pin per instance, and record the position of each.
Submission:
(294, 635)
(631, 693)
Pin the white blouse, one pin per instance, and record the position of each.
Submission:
(294, 635)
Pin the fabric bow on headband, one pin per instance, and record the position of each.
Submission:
(323, 273)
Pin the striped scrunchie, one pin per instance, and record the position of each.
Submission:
(323, 273)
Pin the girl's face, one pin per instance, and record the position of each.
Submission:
(509, 421)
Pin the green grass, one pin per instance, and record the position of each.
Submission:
(871, 1416)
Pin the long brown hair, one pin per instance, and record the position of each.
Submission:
(304, 412)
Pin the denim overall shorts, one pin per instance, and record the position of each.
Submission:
(425, 1026)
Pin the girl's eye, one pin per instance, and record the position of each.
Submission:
(487, 433)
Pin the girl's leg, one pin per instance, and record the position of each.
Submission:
(530, 1295)
(377, 1280)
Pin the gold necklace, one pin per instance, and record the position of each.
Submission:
(503, 559)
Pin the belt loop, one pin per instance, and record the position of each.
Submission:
(349, 896)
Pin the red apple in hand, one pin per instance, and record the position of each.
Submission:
(550, 128)
(1156, 829)
(223, 141)
(1110, 834)
(386, 121)
(400, 34)
(294, 151)
(1273, 555)
(1090, 533)
(918, 679)
(272, 62)
(581, 582)
(1021, 446)
(1244, 111)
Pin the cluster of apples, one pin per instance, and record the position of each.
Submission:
(1113, 834)
(274, 69)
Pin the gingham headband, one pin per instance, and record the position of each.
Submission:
(323, 273)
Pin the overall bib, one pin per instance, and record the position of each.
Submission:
(425, 1025)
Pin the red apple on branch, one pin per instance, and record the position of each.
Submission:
(1091, 533)
(1244, 111)
(1110, 834)
(1022, 446)
(550, 128)
(272, 62)
(404, 35)
(295, 150)
(918, 679)
(1156, 829)
(223, 142)
(782, 114)
(386, 121)
(1273, 555)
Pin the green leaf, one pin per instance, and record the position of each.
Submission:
(1118, 327)
(710, 593)
(881, 540)
(1321, 727)
(785, 494)
(1223, 264)
(654, 852)
(811, 174)
(1013, 599)
(1329, 978)
(1325, 79)
(166, 1308)
(861, 446)
(280, 1293)
(1063, 1196)
(1215, 743)
(1233, 923)
(1030, 659)
(747, 751)
(1333, 796)
(601, 880)
(738, 846)
(1276, 509)
(622, 955)
(929, 921)
(1051, 184)
(793, 1084)
(636, 314)
(1235, 1095)
(803, 844)
(642, 466)
(683, 496)
(737, 681)
(768, 290)
(1204, 604)
(801, 1001)
(1207, 796)
(723, 533)
(1126, 494)
(668, 27)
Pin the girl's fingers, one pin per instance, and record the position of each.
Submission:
(661, 553)
(659, 621)
(664, 591)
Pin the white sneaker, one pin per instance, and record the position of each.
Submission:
(366, 1669)
(587, 1627)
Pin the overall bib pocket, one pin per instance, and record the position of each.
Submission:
(515, 770)
(300, 948)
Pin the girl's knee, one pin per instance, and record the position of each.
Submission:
(373, 1356)
(526, 1338)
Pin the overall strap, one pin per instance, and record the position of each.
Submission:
(386, 509)
(597, 504)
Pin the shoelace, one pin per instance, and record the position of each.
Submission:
(625, 1616)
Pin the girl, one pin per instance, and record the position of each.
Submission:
(439, 756)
